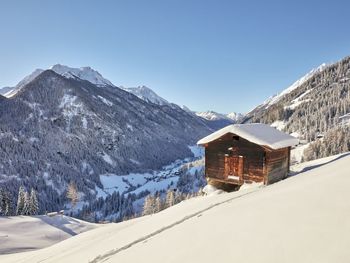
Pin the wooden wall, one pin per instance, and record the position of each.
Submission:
(259, 164)
(253, 158)
(277, 165)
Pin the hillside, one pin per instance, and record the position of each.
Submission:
(304, 218)
(74, 126)
(26, 233)
(311, 109)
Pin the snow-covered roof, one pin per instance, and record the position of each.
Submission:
(257, 133)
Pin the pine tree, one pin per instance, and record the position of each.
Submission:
(72, 194)
(5, 203)
(20, 201)
(2, 202)
(170, 198)
(26, 206)
(33, 201)
(8, 205)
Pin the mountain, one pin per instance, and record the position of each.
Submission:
(304, 218)
(218, 120)
(11, 91)
(213, 119)
(147, 95)
(4, 90)
(62, 128)
(311, 109)
(235, 116)
(83, 73)
(295, 85)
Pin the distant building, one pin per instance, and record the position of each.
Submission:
(242, 153)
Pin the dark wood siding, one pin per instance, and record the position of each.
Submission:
(253, 157)
(260, 164)
(277, 164)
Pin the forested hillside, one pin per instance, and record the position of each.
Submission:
(56, 129)
(313, 110)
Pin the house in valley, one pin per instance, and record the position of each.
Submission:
(242, 153)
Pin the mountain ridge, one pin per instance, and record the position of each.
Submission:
(56, 130)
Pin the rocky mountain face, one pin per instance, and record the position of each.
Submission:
(312, 109)
(64, 125)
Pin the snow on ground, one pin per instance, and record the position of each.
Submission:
(105, 101)
(107, 159)
(296, 154)
(24, 233)
(279, 125)
(154, 181)
(297, 168)
(305, 218)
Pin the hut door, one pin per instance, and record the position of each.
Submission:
(234, 166)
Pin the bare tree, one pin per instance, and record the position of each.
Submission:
(72, 194)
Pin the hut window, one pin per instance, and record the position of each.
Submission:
(235, 138)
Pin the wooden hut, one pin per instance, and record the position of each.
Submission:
(242, 153)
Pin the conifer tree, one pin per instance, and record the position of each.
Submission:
(26, 206)
(8, 205)
(20, 201)
(33, 201)
(5, 203)
(2, 202)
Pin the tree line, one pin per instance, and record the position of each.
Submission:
(27, 203)
(155, 203)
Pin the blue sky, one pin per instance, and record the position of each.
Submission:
(220, 55)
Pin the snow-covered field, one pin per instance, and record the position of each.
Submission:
(24, 233)
(305, 218)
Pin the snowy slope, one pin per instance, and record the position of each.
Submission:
(24, 233)
(13, 91)
(295, 85)
(235, 116)
(84, 73)
(302, 219)
(310, 108)
(212, 116)
(5, 90)
(147, 95)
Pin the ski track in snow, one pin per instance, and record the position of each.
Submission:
(104, 257)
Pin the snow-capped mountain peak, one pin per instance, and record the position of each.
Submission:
(84, 73)
(146, 94)
(213, 116)
(235, 116)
